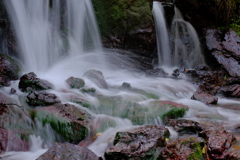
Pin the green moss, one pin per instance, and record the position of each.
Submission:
(174, 113)
(69, 131)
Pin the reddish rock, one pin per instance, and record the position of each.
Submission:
(184, 125)
(67, 151)
(204, 97)
(141, 143)
(231, 91)
(218, 142)
(184, 149)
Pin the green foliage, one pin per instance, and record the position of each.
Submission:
(121, 16)
(235, 24)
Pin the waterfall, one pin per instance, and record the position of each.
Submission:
(185, 51)
(46, 33)
(164, 57)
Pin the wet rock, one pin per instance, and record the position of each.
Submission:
(75, 82)
(126, 85)
(184, 149)
(204, 97)
(184, 125)
(66, 151)
(88, 90)
(157, 72)
(29, 82)
(40, 98)
(8, 70)
(176, 73)
(79, 100)
(231, 91)
(13, 91)
(96, 77)
(226, 49)
(218, 142)
(230, 64)
(157, 109)
(66, 119)
(140, 143)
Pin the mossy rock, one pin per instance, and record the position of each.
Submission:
(151, 111)
(66, 120)
(190, 148)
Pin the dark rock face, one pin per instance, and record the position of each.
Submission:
(75, 82)
(68, 151)
(40, 98)
(184, 125)
(8, 70)
(67, 120)
(29, 82)
(183, 149)
(140, 143)
(231, 91)
(96, 77)
(126, 85)
(225, 48)
(204, 97)
(218, 142)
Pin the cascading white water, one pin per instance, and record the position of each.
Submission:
(186, 50)
(164, 53)
(43, 40)
(45, 35)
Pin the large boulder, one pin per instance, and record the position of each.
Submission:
(218, 142)
(67, 120)
(185, 149)
(140, 143)
(66, 151)
(29, 82)
(40, 98)
(96, 77)
(74, 82)
(184, 125)
(225, 48)
(8, 70)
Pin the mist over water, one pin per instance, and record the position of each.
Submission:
(57, 45)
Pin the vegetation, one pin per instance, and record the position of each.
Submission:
(121, 16)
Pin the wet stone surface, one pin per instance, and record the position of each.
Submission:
(66, 151)
(29, 82)
(140, 143)
(218, 142)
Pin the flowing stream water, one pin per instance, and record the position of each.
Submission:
(56, 46)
